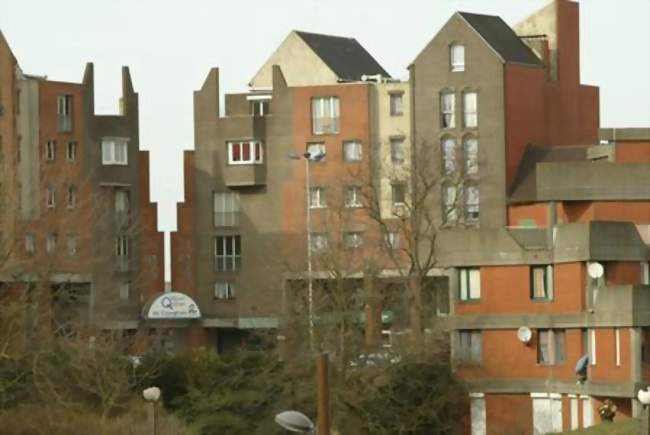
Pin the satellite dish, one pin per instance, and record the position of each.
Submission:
(595, 270)
(524, 334)
(295, 421)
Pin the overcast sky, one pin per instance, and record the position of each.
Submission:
(171, 45)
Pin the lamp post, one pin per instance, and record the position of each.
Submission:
(310, 287)
(152, 395)
(644, 398)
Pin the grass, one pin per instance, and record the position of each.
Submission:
(625, 427)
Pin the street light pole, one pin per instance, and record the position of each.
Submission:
(310, 285)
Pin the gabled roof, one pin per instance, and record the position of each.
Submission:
(501, 38)
(344, 56)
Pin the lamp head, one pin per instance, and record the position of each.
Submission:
(151, 394)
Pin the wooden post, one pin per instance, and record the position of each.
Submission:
(323, 394)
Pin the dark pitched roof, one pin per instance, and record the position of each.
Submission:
(345, 56)
(524, 188)
(501, 38)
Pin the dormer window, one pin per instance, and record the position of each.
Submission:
(457, 57)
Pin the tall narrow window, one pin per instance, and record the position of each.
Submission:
(50, 243)
(396, 104)
(353, 196)
(397, 150)
(470, 148)
(470, 110)
(30, 243)
(325, 115)
(71, 151)
(352, 151)
(448, 155)
(449, 202)
(550, 346)
(353, 239)
(592, 347)
(245, 153)
(447, 110)
(457, 57)
(72, 244)
(617, 345)
(392, 240)
(226, 209)
(469, 283)
(260, 107)
(317, 197)
(64, 112)
(125, 291)
(227, 251)
(469, 347)
(122, 246)
(541, 282)
(472, 204)
(72, 197)
(50, 200)
(50, 150)
(122, 201)
(398, 193)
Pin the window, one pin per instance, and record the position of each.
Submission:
(397, 150)
(316, 152)
(72, 197)
(447, 107)
(50, 243)
(550, 346)
(457, 57)
(50, 150)
(72, 244)
(392, 240)
(71, 151)
(396, 104)
(547, 413)
(260, 107)
(448, 156)
(325, 115)
(64, 112)
(541, 283)
(471, 204)
(122, 246)
(227, 251)
(226, 209)
(245, 153)
(469, 284)
(30, 243)
(470, 110)
(352, 151)
(50, 201)
(317, 197)
(121, 201)
(450, 207)
(353, 240)
(469, 347)
(398, 193)
(353, 196)
(318, 242)
(125, 291)
(115, 151)
(470, 148)
(224, 290)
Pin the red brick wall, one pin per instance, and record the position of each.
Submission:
(509, 414)
(606, 369)
(633, 151)
(535, 212)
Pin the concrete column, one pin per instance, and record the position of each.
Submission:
(636, 339)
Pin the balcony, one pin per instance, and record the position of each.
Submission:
(245, 175)
(624, 304)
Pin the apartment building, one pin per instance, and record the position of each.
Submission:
(242, 230)
(76, 215)
(544, 226)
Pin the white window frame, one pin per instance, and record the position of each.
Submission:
(226, 209)
(353, 196)
(50, 150)
(115, 151)
(224, 290)
(447, 110)
(71, 151)
(470, 109)
(457, 57)
(353, 239)
(255, 154)
(325, 109)
(122, 246)
(317, 197)
(316, 149)
(469, 284)
(549, 282)
(230, 262)
(30, 243)
(64, 105)
(318, 242)
(355, 154)
(50, 200)
(397, 151)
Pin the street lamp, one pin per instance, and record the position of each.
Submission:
(152, 395)
(644, 398)
(308, 157)
(295, 421)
